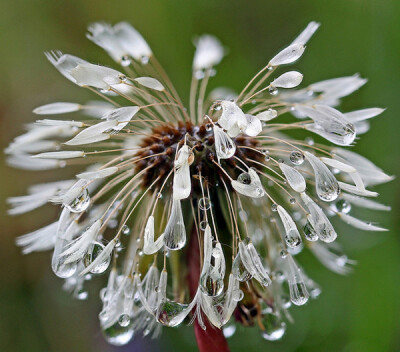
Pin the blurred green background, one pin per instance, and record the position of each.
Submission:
(355, 313)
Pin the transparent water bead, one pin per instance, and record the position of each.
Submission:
(91, 256)
(297, 157)
(309, 233)
(342, 206)
(118, 335)
(274, 327)
(292, 239)
(239, 271)
(125, 61)
(212, 279)
(126, 230)
(244, 178)
(273, 90)
(124, 320)
(204, 203)
(298, 293)
(80, 203)
(168, 311)
(229, 330)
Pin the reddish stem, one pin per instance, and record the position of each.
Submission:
(211, 339)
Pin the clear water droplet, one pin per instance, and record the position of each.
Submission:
(145, 60)
(298, 293)
(90, 257)
(309, 140)
(81, 294)
(274, 207)
(292, 200)
(237, 295)
(341, 206)
(279, 276)
(159, 195)
(309, 233)
(199, 74)
(125, 60)
(203, 225)
(124, 320)
(80, 203)
(229, 330)
(217, 107)
(286, 302)
(239, 271)
(296, 157)
(274, 327)
(283, 253)
(204, 203)
(210, 285)
(273, 90)
(292, 239)
(168, 311)
(118, 335)
(126, 230)
(209, 127)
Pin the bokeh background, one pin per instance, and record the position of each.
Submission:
(355, 313)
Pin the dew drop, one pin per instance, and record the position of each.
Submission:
(292, 200)
(309, 140)
(273, 90)
(274, 327)
(229, 330)
(126, 230)
(80, 203)
(209, 127)
(118, 335)
(145, 60)
(274, 207)
(298, 293)
(81, 295)
(125, 60)
(341, 206)
(124, 320)
(159, 195)
(168, 312)
(309, 233)
(296, 157)
(204, 203)
(203, 225)
(283, 253)
(239, 271)
(90, 257)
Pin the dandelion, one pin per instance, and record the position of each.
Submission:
(195, 215)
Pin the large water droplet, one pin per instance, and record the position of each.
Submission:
(298, 293)
(90, 257)
(274, 327)
(309, 233)
(169, 312)
(124, 320)
(296, 157)
(239, 271)
(80, 203)
(118, 335)
(211, 286)
(244, 178)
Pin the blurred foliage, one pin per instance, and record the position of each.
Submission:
(355, 313)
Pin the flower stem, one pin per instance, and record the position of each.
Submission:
(212, 339)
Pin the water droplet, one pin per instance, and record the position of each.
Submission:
(203, 225)
(126, 230)
(267, 158)
(209, 127)
(270, 68)
(274, 207)
(309, 140)
(210, 285)
(298, 293)
(118, 335)
(237, 295)
(315, 292)
(124, 320)
(342, 206)
(139, 252)
(204, 203)
(125, 60)
(283, 253)
(296, 157)
(292, 239)
(279, 276)
(122, 77)
(273, 90)
(168, 311)
(239, 271)
(217, 107)
(229, 330)
(309, 233)
(274, 327)
(81, 294)
(286, 302)
(159, 195)
(243, 215)
(244, 178)
(80, 203)
(199, 74)
(90, 257)
(145, 60)
(292, 200)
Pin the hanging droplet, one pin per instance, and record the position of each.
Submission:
(296, 157)
(124, 320)
(126, 230)
(292, 239)
(204, 203)
(286, 302)
(199, 74)
(239, 271)
(81, 294)
(298, 293)
(203, 225)
(209, 127)
(118, 335)
(125, 60)
(244, 178)
(217, 107)
(210, 285)
(237, 295)
(159, 195)
(342, 206)
(80, 203)
(145, 60)
(309, 233)
(309, 140)
(292, 200)
(283, 253)
(229, 330)
(90, 257)
(274, 207)
(274, 327)
(168, 313)
(123, 78)
(273, 90)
